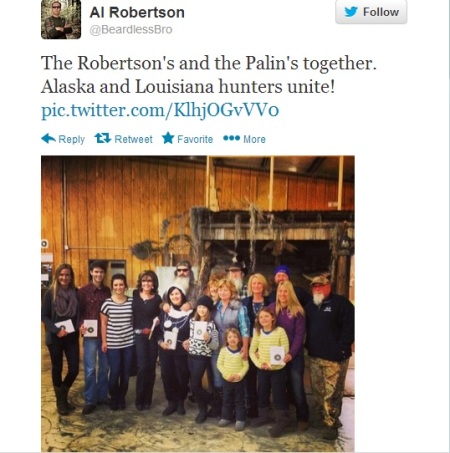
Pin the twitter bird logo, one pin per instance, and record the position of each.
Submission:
(350, 12)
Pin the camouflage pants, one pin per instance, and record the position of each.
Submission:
(327, 385)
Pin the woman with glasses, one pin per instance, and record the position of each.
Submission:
(146, 303)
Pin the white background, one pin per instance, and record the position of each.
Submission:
(394, 120)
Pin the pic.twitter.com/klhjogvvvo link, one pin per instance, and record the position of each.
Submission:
(371, 12)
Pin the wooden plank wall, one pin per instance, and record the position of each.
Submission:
(115, 202)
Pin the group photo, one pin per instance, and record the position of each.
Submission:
(197, 303)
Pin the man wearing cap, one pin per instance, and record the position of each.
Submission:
(330, 332)
(236, 273)
(281, 274)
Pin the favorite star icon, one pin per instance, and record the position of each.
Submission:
(168, 138)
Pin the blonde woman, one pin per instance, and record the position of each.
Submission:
(291, 316)
(228, 312)
(257, 299)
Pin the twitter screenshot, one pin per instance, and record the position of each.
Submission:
(332, 112)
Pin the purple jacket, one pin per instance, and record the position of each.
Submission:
(295, 328)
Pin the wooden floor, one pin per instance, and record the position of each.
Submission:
(131, 430)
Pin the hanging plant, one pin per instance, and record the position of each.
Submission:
(143, 250)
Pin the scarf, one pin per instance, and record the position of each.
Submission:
(66, 302)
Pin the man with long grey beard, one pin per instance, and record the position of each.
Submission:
(330, 333)
(184, 279)
(236, 273)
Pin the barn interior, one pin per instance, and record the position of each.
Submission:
(138, 213)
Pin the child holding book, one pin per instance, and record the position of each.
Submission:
(203, 340)
(233, 368)
(269, 346)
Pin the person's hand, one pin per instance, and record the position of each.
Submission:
(186, 345)
(287, 358)
(166, 307)
(83, 329)
(164, 345)
(206, 336)
(186, 306)
(265, 366)
(244, 353)
(62, 333)
(104, 347)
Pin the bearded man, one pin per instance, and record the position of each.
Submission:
(236, 273)
(184, 279)
(330, 333)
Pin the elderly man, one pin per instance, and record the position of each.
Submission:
(184, 278)
(281, 274)
(330, 332)
(57, 26)
(236, 273)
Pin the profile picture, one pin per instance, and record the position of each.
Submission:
(60, 19)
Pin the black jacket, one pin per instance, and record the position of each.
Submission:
(330, 328)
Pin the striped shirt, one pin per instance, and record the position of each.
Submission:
(231, 362)
(119, 330)
(263, 341)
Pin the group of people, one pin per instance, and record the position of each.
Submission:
(248, 343)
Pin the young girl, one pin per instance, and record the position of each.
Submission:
(271, 375)
(233, 368)
(116, 315)
(228, 312)
(201, 344)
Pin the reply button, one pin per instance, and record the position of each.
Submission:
(376, 12)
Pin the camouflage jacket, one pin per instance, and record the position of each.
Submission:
(50, 26)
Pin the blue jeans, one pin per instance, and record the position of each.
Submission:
(216, 373)
(296, 389)
(197, 367)
(146, 358)
(95, 383)
(233, 399)
(119, 376)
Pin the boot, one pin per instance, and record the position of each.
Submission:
(263, 417)
(202, 411)
(281, 422)
(171, 408)
(61, 401)
(180, 408)
(216, 404)
(65, 392)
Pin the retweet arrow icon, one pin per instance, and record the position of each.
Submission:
(102, 137)
(47, 138)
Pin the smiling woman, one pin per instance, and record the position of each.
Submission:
(60, 313)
